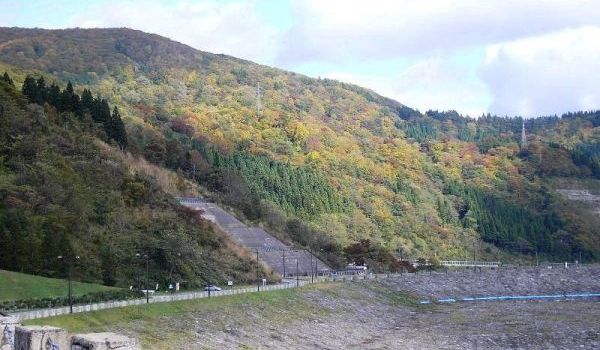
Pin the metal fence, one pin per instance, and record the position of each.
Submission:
(291, 283)
(470, 263)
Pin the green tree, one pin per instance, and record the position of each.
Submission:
(8, 79)
(87, 101)
(54, 97)
(116, 129)
(29, 88)
(68, 98)
(41, 95)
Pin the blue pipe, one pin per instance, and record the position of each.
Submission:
(514, 297)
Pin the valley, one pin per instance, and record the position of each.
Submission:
(184, 199)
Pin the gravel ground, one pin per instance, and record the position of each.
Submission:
(386, 314)
(364, 315)
(377, 325)
(504, 281)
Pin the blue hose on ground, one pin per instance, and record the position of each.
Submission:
(515, 297)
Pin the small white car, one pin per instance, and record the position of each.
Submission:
(212, 288)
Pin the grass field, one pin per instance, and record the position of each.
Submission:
(16, 286)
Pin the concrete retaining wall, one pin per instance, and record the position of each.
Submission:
(104, 341)
(41, 337)
(53, 338)
(7, 332)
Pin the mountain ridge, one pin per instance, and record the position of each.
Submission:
(330, 165)
(11, 33)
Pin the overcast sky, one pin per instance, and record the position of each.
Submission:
(508, 57)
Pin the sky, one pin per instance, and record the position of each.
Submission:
(504, 57)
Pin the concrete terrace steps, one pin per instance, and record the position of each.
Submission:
(271, 250)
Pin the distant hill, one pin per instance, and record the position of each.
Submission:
(330, 165)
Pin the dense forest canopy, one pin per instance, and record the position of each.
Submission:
(65, 192)
(328, 164)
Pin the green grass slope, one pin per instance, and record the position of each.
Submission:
(19, 286)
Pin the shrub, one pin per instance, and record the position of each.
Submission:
(95, 297)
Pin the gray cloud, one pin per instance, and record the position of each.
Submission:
(233, 28)
(526, 70)
(337, 29)
(432, 83)
(545, 75)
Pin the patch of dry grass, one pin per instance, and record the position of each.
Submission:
(169, 181)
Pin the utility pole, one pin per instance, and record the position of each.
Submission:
(311, 266)
(147, 290)
(70, 279)
(171, 273)
(145, 256)
(147, 287)
(297, 276)
(283, 261)
(257, 268)
(70, 285)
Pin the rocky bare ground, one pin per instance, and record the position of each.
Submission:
(382, 314)
(503, 281)
(582, 195)
(378, 315)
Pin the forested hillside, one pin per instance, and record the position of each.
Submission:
(328, 164)
(64, 191)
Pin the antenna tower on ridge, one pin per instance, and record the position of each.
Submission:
(258, 104)
(523, 136)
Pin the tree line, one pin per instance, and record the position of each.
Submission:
(66, 100)
(509, 225)
(300, 191)
(588, 155)
(62, 194)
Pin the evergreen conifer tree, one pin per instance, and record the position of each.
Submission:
(116, 129)
(54, 97)
(7, 79)
(103, 112)
(41, 95)
(87, 101)
(76, 105)
(67, 97)
(29, 88)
